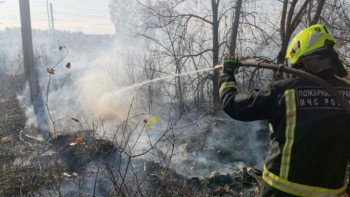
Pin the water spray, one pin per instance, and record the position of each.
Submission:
(305, 75)
(277, 67)
(122, 90)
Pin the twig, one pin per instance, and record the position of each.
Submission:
(98, 170)
(12, 81)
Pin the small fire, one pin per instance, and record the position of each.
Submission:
(78, 140)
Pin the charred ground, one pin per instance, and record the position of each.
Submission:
(98, 167)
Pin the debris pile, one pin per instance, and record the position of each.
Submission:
(166, 182)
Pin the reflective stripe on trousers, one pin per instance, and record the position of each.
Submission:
(298, 189)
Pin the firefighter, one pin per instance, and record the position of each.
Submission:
(310, 131)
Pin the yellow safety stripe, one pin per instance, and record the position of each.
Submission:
(298, 189)
(225, 85)
(271, 128)
(290, 128)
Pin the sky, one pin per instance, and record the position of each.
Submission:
(87, 16)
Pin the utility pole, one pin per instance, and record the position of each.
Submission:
(2, 2)
(48, 15)
(52, 20)
(31, 72)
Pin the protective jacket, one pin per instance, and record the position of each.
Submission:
(310, 134)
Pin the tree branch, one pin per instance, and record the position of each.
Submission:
(318, 12)
(298, 16)
(283, 19)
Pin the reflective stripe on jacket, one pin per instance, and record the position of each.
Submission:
(310, 141)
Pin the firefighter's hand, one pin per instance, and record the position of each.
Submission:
(231, 65)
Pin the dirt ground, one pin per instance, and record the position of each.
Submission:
(12, 118)
(22, 172)
(12, 121)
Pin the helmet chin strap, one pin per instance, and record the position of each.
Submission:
(329, 44)
(323, 59)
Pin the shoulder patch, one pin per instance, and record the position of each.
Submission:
(318, 98)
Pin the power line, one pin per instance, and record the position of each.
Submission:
(78, 8)
(78, 20)
(9, 7)
(52, 20)
(48, 15)
(1, 2)
(12, 19)
(73, 16)
(89, 5)
(78, 14)
(88, 22)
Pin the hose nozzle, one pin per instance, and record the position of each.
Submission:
(219, 66)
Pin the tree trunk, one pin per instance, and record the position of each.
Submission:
(215, 78)
(289, 24)
(235, 25)
(178, 89)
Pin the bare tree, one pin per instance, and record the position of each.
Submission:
(235, 25)
(337, 18)
(291, 16)
(192, 23)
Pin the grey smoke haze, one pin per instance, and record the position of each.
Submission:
(97, 68)
(100, 67)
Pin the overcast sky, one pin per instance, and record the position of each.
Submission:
(88, 16)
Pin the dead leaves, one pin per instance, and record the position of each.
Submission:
(51, 71)
(149, 126)
(6, 140)
(74, 119)
(153, 120)
(68, 65)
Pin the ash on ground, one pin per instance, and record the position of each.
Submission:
(82, 164)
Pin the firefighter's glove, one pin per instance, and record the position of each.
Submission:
(230, 66)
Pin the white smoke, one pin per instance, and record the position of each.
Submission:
(97, 68)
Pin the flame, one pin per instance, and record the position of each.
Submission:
(78, 140)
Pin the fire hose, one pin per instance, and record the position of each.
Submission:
(307, 76)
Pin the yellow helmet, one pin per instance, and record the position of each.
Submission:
(315, 48)
(307, 41)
